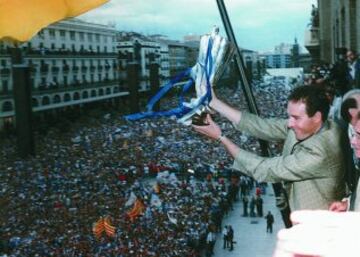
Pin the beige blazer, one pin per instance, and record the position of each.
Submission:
(312, 169)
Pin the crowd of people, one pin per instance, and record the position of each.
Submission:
(50, 201)
(184, 182)
(338, 77)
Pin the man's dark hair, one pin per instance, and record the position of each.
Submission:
(314, 98)
(345, 106)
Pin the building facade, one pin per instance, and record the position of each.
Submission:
(71, 62)
(335, 25)
(137, 48)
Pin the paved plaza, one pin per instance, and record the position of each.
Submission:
(250, 232)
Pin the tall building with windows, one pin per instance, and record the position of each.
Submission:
(135, 47)
(283, 56)
(71, 62)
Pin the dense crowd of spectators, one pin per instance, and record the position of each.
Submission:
(49, 202)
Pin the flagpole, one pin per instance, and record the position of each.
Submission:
(282, 202)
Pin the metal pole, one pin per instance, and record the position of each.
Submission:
(279, 191)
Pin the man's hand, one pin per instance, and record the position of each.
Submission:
(339, 206)
(212, 130)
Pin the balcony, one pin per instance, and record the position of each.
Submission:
(32, 69)
(44, 68)
(43, 89)
(84, 68)
(66, 52)
(66, 68)
(5, 71)
(76, 68)
(55, 69)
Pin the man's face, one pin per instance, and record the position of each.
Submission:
(303, 125)
(355, 138)
(350, 56)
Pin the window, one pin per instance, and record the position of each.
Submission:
(67, 97)
(56, 99)
(41, 33)
(72, 35)
(52, 34)
(62, 34)
(7, 106)
(90, 37)
(81, 36)
(5, 86)
(85, 95)
(76, 96)
(34, 102)
(97, 37)
(45, 100)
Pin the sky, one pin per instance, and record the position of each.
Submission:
(258, 25)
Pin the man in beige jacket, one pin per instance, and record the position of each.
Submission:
(311, 164)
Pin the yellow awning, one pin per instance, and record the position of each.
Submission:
(20, 20)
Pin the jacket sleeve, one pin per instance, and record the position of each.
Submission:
(266, 129)
(304, 163)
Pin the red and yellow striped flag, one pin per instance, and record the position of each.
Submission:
(103, 225)
(138, 209)
(98, 228)
(109, 229)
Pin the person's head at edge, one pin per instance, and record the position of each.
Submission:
(351, 55)
(350, 112)
(350, 106)
(308, 108)
(354, 136)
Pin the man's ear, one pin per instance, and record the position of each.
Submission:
(318, 116)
